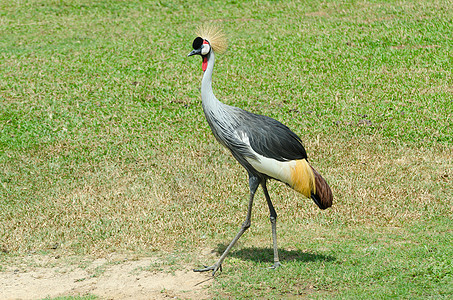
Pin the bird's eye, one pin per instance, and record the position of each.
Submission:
(205, 50)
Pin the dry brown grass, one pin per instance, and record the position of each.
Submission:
(200, 197)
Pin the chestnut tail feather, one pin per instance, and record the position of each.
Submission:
(323, 196)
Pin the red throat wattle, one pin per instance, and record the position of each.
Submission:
(204, 65)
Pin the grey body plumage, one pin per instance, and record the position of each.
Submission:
(266, 148)
(267, 136)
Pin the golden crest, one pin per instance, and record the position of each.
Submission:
(214, 35)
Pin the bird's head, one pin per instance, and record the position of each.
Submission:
(200, 47)
(210, 38)
(203, 48)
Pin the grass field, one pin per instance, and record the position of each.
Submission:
(104, 147)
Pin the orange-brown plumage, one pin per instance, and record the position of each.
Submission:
(302, 178)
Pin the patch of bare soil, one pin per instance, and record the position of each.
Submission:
(118, 278)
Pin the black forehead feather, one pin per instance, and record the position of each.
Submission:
(197, 43)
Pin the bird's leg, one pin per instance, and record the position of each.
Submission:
(253, 183)
(273, 218)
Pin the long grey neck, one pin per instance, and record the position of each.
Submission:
(220, 117)
(209, 101)
(223, 119)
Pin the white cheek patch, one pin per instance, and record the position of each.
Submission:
(205, 50)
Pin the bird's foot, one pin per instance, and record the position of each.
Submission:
(276, 265)
(214, 268)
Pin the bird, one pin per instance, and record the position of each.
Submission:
(266, 148)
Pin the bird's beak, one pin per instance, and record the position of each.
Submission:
(195, 52)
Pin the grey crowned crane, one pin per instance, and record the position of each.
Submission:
(266, 148)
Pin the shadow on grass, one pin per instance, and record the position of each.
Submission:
(267, 254)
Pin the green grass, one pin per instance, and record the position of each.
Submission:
(104, 147)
